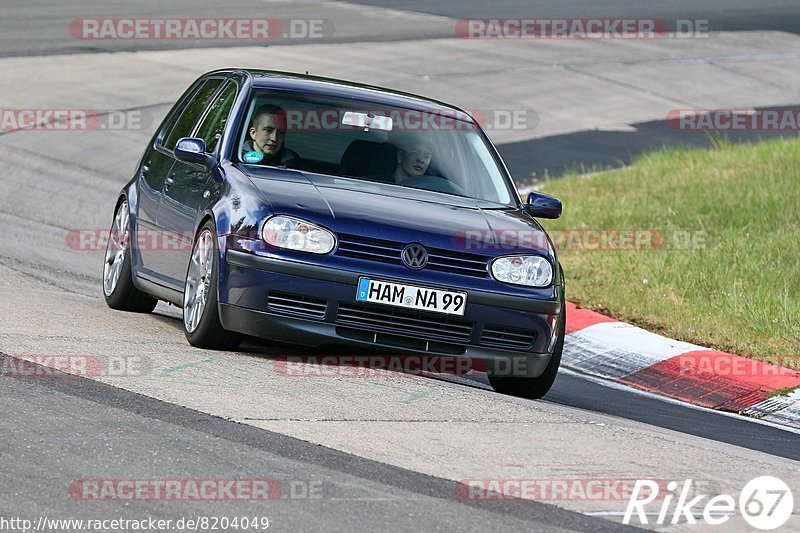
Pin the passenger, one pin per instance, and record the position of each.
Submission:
(413, 160)
(267, 132)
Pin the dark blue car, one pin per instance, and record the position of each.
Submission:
(321, 212)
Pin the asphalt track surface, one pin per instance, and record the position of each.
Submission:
(58, 429)
(83, 426)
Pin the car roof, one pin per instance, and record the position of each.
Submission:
(292, 81)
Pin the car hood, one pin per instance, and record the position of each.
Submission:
(389, 212)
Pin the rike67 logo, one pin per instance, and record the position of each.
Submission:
(765, 503)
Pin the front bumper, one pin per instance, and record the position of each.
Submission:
(493, 333)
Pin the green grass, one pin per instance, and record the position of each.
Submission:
(738, 288)
(781, 392)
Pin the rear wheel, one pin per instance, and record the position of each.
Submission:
(118, 287)
(534, 388)
(201, 322)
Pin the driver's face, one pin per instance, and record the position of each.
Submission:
(267, 133)
(415, 160)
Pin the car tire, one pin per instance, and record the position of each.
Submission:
(534, 388)
(201, 322)
(118, 288)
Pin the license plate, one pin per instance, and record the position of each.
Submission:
(411, 297)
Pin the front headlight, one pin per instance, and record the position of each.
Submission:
(296, 234)
(528, 270)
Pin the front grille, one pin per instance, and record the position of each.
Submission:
(297, 305)
(370, 249)
(401, 341)
(401, 321)
(506, 337)
(389, 252)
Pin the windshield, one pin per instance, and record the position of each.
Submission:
(365, 141)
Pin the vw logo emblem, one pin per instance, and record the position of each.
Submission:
(414, 256)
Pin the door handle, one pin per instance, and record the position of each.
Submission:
(145, 169)
(169, 181)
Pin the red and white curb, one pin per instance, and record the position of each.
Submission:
(601, 346)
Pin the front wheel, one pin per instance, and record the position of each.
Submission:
(201, 322)
(535, 388)
(118, 287)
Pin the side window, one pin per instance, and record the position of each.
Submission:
(213, 124)
(168, 123)
(185, 124)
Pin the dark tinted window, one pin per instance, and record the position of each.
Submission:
(184, 126)
(214, 122)
(168, 123)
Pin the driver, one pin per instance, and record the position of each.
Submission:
(267, 132)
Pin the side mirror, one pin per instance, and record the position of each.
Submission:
(543, 205)
(193, 150)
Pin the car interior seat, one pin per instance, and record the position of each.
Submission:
(369, 158)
